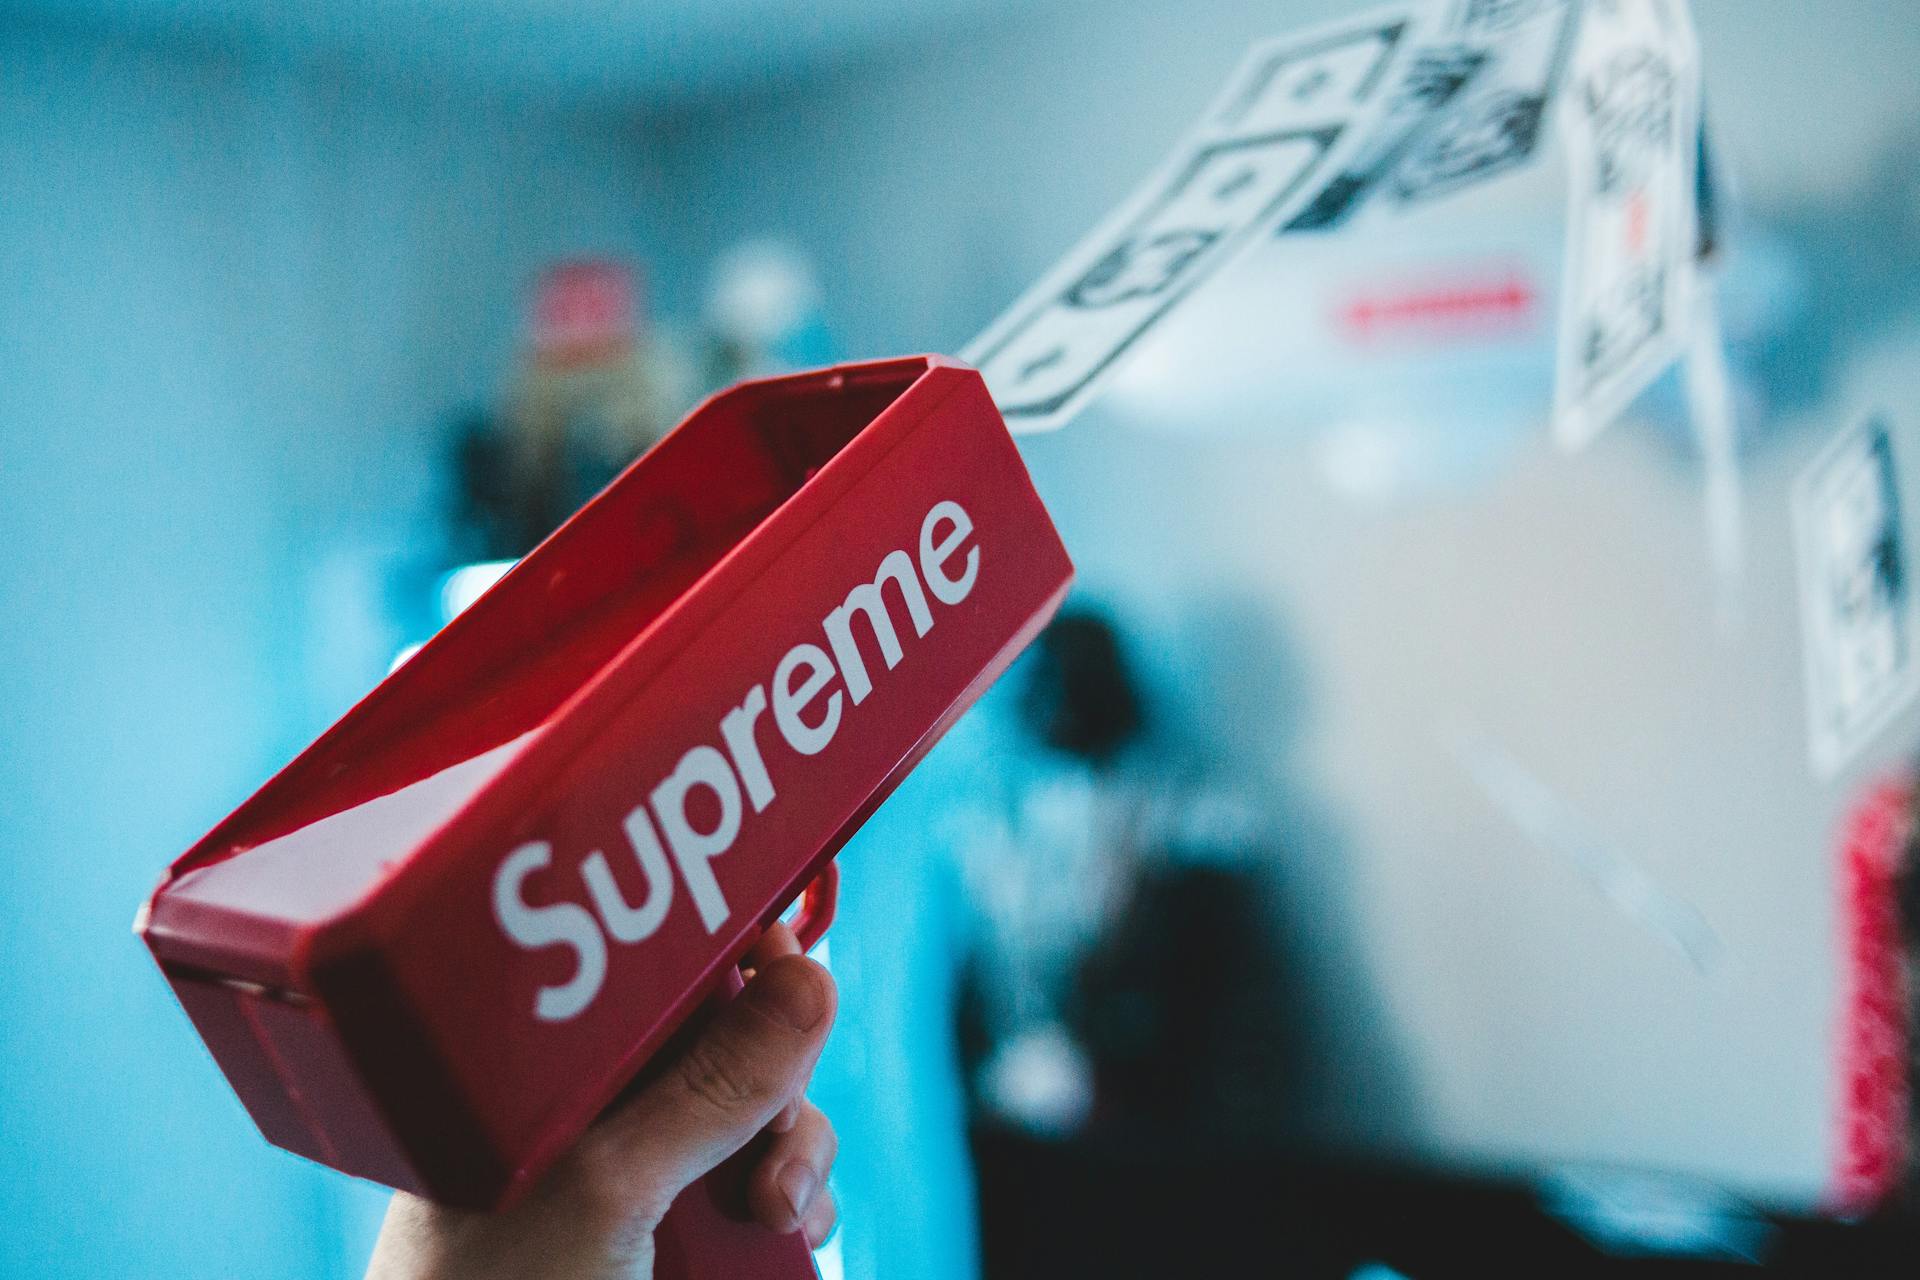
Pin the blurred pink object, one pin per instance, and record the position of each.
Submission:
(1872, 1066)
(584, 310)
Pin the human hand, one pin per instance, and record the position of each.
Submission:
(593, 1215)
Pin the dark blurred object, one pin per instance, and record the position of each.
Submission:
(488, 524)
(1709, 197)
(1080, 697)
(1048, 869)
(1123, 1209)
(1907, 887)
(1180, 1011)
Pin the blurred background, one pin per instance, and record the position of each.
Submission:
(1409, 834)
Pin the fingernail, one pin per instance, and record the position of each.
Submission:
(789, 995)
(798, 1184)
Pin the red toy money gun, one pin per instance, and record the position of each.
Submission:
(434, 947)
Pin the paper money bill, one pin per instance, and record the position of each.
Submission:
(1632, 133)
(1287, 122)
(1497, 124)
(1433, 77)
(1856, 597)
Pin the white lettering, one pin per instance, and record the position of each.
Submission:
(737, 728)
(562, 924)
(626, 923)
(806, 711)
(789, 702)
(933, 558)
(694, 851)
(870, 598)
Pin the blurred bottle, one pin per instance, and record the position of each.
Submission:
(598, 383)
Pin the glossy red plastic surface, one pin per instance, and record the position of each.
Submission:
(339, 941)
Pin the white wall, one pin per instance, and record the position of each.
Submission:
(1562, 606)
(236, 307)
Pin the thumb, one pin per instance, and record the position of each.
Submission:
(740, 1070)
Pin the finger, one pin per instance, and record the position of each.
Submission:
(735, 1076)
(793, 1172)
(821, 1219)
(778, 940)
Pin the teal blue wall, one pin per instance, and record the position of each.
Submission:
(236, 305)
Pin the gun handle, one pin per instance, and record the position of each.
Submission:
(709, 1234)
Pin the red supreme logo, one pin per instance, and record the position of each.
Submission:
(730, 773)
